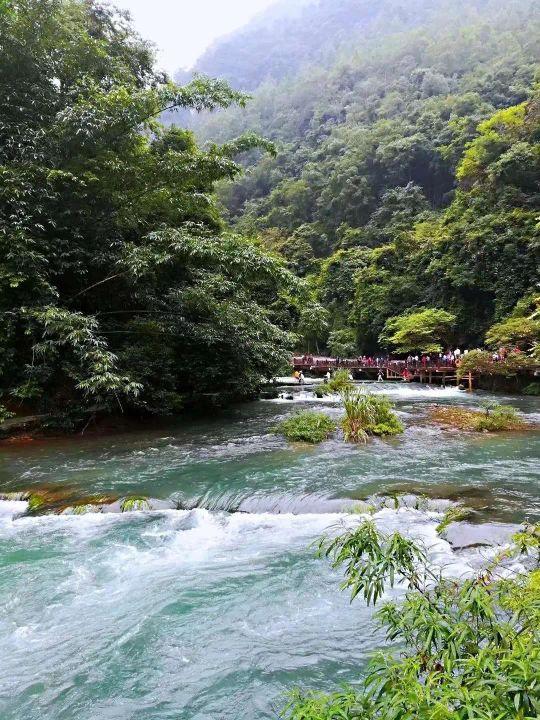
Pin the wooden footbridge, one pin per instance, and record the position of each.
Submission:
(425, 371)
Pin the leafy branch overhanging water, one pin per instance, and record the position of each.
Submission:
(471, 648)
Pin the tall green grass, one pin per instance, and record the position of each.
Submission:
(340, 382)
(367, 414)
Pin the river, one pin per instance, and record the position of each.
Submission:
(212, 603)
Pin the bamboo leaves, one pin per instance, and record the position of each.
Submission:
(469, 649)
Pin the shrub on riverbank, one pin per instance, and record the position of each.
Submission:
(494, 418)
(469, 649)
(367, 414)
(307, 426)
(117, 272)
(481, 362)
(532, 389)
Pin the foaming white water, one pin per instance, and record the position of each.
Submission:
(292, 381)
(191, 537)
(396, 390)
(408, 391)
(12, 508)
(179, 601)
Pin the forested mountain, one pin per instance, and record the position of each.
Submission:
(298, 33)
(372, 194)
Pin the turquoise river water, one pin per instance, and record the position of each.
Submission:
(211, 604)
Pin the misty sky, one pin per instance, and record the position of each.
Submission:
(182, 29)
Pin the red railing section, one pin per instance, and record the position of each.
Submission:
(312, 362)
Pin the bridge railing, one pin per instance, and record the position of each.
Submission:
(317, 362)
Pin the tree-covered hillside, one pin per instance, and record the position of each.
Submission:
(298, 33)
(373, 194)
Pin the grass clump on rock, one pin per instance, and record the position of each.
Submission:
(452, 515)
(493, 418)
(35, 502)
(84, 509)
(131, 504)
(340, 382)
(307, 426)
(367, 414)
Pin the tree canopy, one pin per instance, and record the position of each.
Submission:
(520, 329)
(119, 284)
(400, 172)
(422, 331)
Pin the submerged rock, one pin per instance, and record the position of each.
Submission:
(269, 394)
(462, 535)
(58, 498)
(14, 496)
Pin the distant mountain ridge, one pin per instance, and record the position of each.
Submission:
(288, 36)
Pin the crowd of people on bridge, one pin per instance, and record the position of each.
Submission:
(448, 359)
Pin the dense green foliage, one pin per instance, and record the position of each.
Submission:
(521, 329)
(119, 285)
(422, 330)
(481, 362)
(367, 414)
(408, 161)
(405, 181)
(468, 649)
(496, 418)
(307, 426)
(294, 33)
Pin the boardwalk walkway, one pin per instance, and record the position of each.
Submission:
(427, 371)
